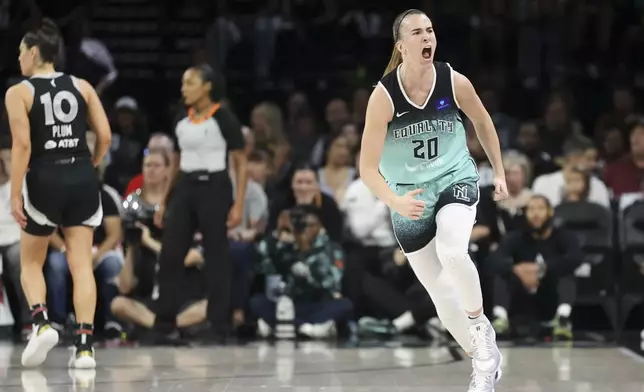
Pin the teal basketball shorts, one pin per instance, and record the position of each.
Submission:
(414, 235)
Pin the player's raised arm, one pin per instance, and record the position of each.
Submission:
(97, 120)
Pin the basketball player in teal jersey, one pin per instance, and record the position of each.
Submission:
(415, 158)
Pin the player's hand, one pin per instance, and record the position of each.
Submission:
(500, 189)
(158, 216)
(408, 206)
(18, 212)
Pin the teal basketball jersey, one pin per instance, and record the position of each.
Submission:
(425, 143)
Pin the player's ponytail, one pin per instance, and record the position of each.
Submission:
(396, 56)
(394, 61)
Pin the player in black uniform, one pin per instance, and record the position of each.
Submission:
(54, 184)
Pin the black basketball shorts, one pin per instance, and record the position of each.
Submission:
(62, 195)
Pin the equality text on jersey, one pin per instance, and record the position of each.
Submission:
(422, 127)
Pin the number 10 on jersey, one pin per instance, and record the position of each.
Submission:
(426, 149)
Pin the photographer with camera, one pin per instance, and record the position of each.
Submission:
(310, 266)
(137, 284)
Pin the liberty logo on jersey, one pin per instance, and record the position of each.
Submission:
(460, 192)
(443, 104)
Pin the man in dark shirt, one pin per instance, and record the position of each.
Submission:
(138, 287)
(535, 267)
(627, 174)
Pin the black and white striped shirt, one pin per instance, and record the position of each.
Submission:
(204, 143)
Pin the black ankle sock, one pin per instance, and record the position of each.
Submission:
(39, 314)
(84, 338)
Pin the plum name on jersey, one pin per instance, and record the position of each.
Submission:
(422, 127)
(62, 133)
(64, 130)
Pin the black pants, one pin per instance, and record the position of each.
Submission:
(385, 299)
(198, 202)
(519, 302)
(373, 294)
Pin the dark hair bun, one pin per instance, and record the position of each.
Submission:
(49, 27)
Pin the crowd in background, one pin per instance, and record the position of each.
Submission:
(560, 79)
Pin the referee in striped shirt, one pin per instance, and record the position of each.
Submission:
(201, 198)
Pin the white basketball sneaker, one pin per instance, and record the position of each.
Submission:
(43, 338)
(484, 383)
(486, 357)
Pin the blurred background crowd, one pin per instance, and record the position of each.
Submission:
(562, 80)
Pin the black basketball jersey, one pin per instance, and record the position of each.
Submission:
(58, 118)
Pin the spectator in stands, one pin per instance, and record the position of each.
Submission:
(529, 143)
(626, 175)
(138, 290)
(336, 115)
(130, 135)
(338, 170)
(558, 126)
(242, 247)
(310, 265)
(297, 103)
(10, 250)
(517, 176)
(107, 258)
(575, 156)
(613, 145)
(310, 144)
(162, 143)
(267, 124)
(505, 125)
(359, 106)
(138, 218)
(391, 290)
(623, 111)
(305, 189)
(259, 168)
(535, 267)
(352, 135)
(577, 186)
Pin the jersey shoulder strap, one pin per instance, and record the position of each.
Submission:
(392, 87)
(444, 89)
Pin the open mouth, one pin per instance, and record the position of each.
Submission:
(427, 52)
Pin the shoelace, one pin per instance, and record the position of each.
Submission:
(481, 344)
(480, 382)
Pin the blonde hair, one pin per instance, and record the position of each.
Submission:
(515, 158)
(396, 56)
(275, 120)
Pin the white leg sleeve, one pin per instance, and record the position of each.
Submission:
(454, 224)
(439, 285)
